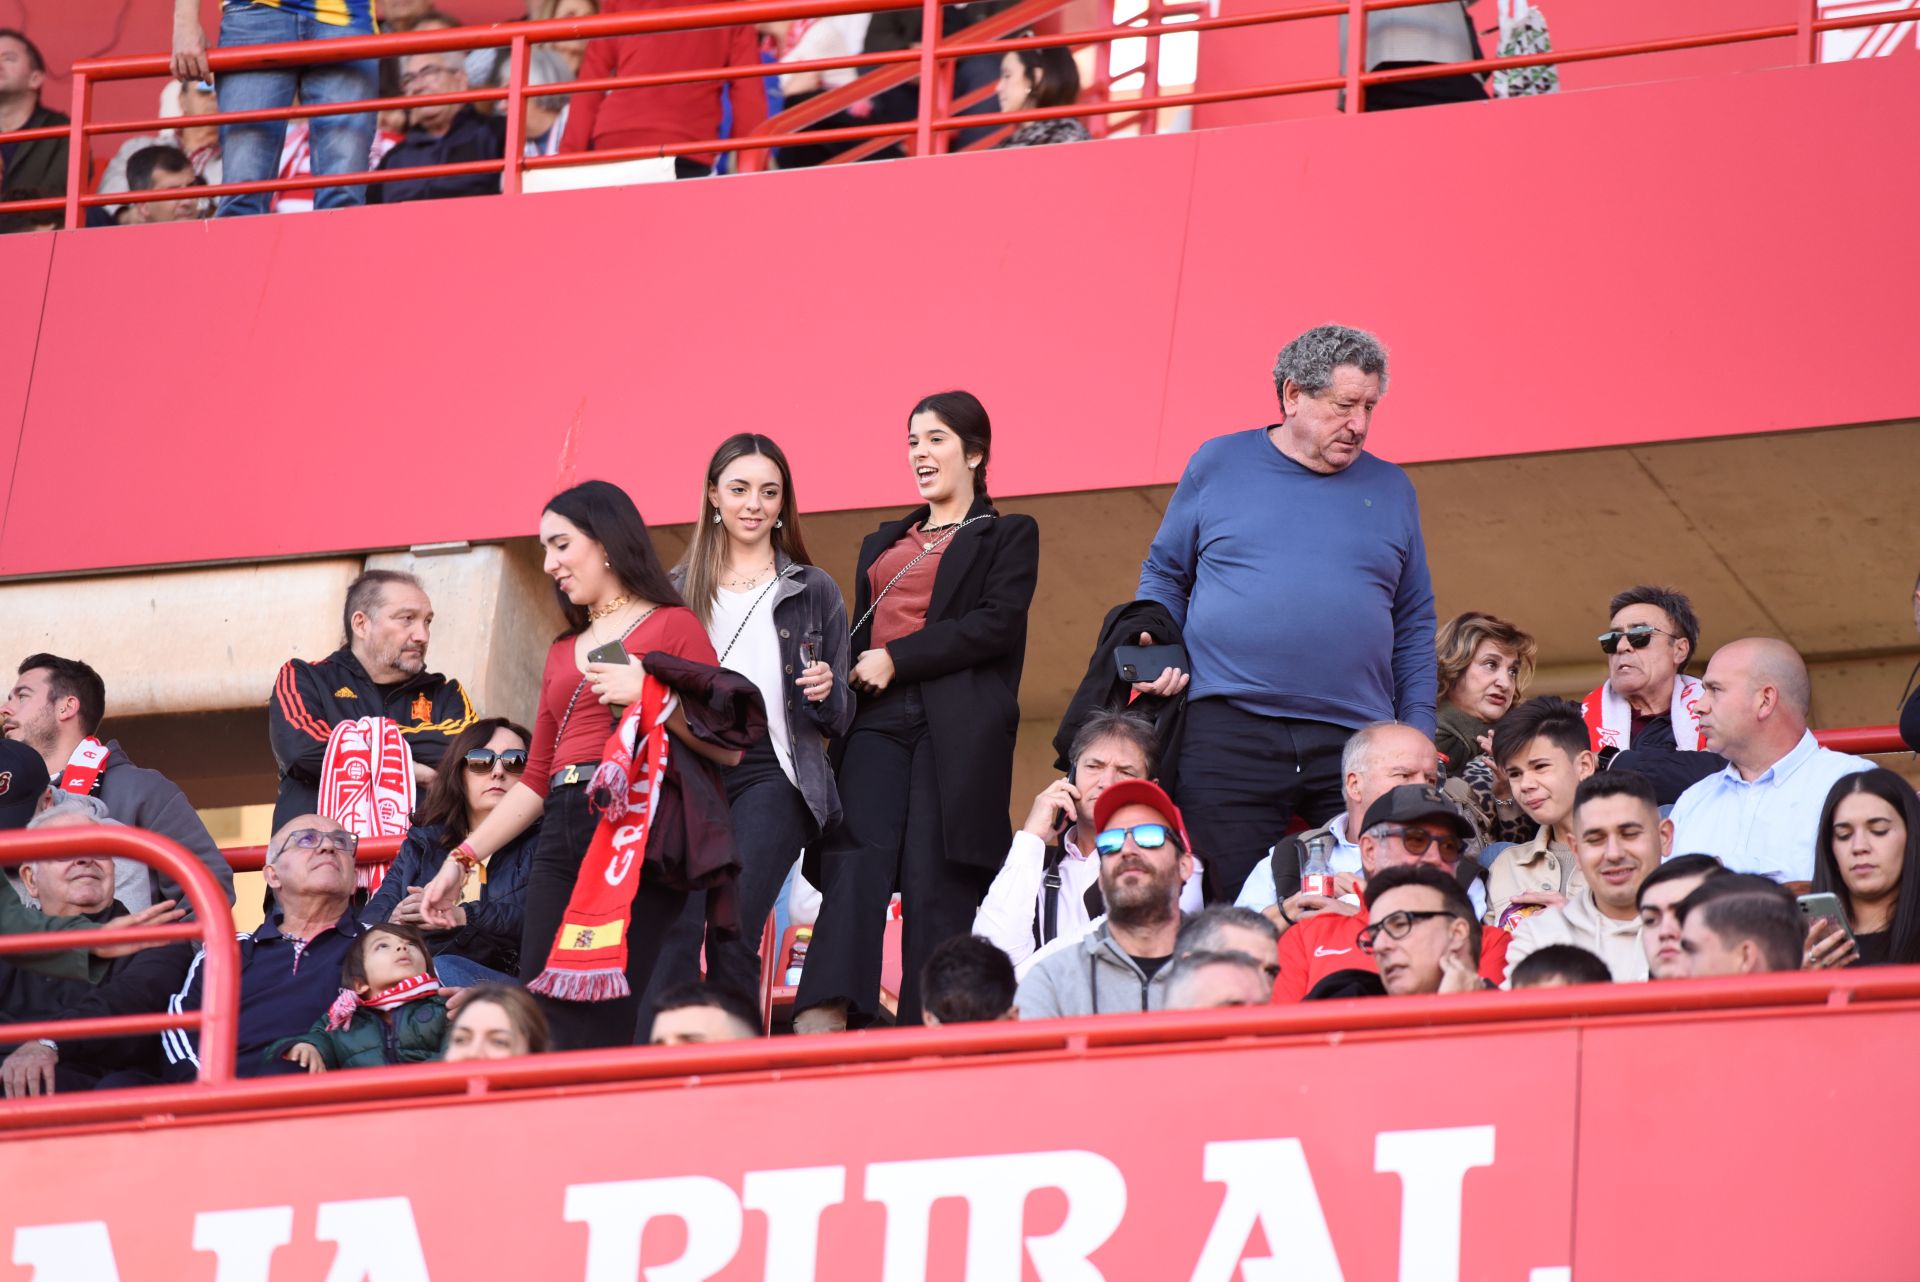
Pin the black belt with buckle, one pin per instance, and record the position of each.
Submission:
(567, 776)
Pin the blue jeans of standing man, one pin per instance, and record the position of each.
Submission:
(341, 144)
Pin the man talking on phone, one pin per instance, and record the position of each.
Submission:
(1293, 562)
(1049, 887)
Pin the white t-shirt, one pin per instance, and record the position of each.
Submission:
(755, 656)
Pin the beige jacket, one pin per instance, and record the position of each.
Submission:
(1540, 864)
(1617, 943)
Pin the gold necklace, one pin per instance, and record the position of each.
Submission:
(742, 583)
(595, 613)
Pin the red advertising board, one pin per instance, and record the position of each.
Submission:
(1208, 1161)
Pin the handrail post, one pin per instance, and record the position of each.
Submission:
(1356, 54)
(930, 15)
(1807, 47)
(518, 59)
(943, 105)
(1150, 68)
(77, 146)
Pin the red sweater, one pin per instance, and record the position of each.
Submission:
(672, 628)
(1316, 948)
(664, 113)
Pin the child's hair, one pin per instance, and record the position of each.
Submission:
(522, 1012)
(353, 971)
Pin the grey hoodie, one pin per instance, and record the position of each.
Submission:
(1093, 976)
(142, 798)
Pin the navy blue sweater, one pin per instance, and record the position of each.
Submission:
(1300, 594)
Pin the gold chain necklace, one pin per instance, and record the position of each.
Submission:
(595, 613)
(743, 583)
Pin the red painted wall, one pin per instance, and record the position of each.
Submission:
(1649, 263)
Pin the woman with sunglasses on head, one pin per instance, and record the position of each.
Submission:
(1641, 718)
(1869, 836)
(779, 620)
(619, 606)
(481, 764)
(926, 772)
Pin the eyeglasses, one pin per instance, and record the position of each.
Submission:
(512, 760)
(412, 78)
(1145, 836)
(1416, 840)
(310, 839)
(1639, 636)
(1395, 926)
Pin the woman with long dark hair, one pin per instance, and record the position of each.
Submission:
(1869, 838)
(940, 604)
(778, 620)
(480, 768)
(614, 593)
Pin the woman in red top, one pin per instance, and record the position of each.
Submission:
(613, 590)
(941, 601)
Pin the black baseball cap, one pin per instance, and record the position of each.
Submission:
(23, 781)
(1412, 802)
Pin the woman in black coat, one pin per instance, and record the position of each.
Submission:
(926, 772)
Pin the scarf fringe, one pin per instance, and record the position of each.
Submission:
(581, 985)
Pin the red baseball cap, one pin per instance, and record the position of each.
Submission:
(1139, 792)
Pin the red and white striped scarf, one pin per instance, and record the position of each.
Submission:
(1610, 719)
(340, 1014)
(366, 784)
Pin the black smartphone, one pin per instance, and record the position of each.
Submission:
(611, 652)
(1147, 662)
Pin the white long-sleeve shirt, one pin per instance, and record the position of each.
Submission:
(1016, 900)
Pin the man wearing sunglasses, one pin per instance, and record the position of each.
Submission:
(1412, 824)
(290, 966)
(1121, 964)
(1644, 716)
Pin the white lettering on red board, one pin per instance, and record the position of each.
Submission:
(1268, 1185)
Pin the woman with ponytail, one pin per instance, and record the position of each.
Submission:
(940, 609)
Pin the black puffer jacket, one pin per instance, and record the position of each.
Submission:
(370, 1039)
(491, 936)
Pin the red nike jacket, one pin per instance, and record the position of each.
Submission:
(1322, 945)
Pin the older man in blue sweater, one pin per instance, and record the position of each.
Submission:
(1294, 563)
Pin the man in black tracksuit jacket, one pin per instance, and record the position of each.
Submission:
(380, 672)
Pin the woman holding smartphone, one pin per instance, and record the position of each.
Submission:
(1869, 836)
(619, 605)
(780, 621)
(940, 604)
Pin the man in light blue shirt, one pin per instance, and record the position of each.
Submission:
(1759, 815)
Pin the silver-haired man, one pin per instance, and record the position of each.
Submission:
(1294, 563)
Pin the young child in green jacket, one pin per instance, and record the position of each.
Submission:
(390, 1009)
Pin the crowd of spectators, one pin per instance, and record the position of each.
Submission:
(1254, 809)
(630, 120)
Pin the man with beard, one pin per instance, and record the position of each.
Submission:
(55, 707)
(1121, 964)
(381, 671)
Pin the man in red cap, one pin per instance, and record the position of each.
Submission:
(1412, 824)
(1121, 964)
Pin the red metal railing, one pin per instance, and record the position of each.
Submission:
(218, 1016)
(1863, 741)
(934, 118)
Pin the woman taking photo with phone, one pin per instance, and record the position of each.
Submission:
(1869, 836)
(619, 605)
(778, 620)
(940, 608)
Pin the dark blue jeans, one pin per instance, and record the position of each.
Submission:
(251, 152)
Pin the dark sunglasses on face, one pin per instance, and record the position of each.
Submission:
(1639, 636)
(1416, 840)
(512, 760)
(1395, 926)
(1145, 836)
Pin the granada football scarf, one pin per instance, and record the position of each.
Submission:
(1610, 719)
(366, 784)
(589, 958)
(340, 1014)
(82, 775)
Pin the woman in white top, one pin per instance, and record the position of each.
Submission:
(779, 620)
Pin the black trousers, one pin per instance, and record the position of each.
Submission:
(564, 837)
(889, 838)
(1243, 778)
(771, 823)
